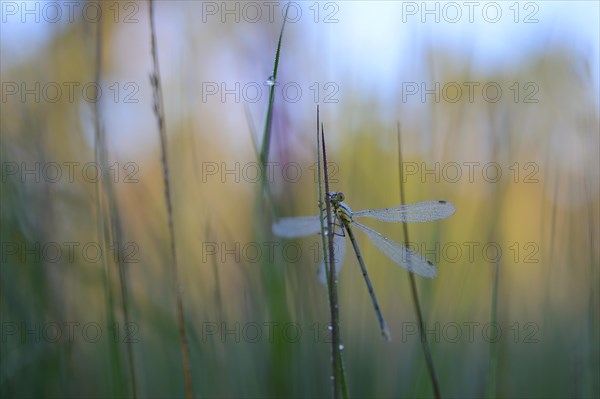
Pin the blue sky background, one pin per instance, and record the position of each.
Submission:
(370, 49)
(367, 26)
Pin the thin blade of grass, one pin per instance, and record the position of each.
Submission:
(320, 204)
(104, 231)
(160, 118)
(342, 368)
(112, 225)
(332, 285)
(413, 288)
(493, 349)
(264, 152)
(337, 365)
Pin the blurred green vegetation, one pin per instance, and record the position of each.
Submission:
(257, 322)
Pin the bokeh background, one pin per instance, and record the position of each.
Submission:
(498, 108)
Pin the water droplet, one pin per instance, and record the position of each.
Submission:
(341, 347)
(271, 81)
(332, 378)
(330, 328)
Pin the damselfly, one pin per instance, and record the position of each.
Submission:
(420, 212)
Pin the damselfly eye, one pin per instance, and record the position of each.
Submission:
(336, 197)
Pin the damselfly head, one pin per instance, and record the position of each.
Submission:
(337, 197)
